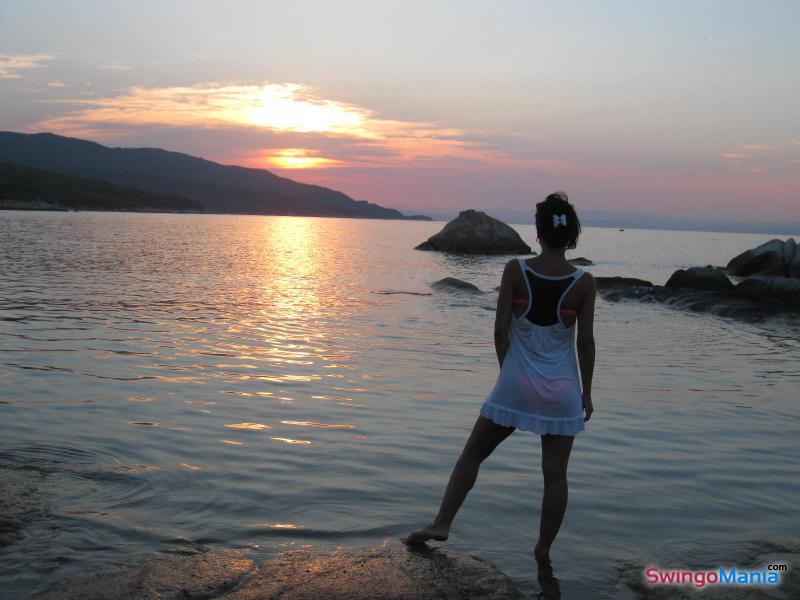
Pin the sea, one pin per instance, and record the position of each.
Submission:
(189, 382)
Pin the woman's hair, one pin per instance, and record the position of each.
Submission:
(557, 224)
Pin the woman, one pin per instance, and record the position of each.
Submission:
(541, 386)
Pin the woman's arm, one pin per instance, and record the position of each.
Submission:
(586, 348)
(505, 305)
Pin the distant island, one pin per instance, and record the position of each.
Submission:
(70, 173)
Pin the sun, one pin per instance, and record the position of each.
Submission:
(299, 158)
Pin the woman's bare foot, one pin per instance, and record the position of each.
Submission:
(431, 532)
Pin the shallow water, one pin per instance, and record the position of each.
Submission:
(210, 380)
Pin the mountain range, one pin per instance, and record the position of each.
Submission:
(36, 189)
(218, 188)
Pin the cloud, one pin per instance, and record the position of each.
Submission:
(281, 107)
(12, 64)
(113, 66)
(307, 121)
(773, 159)
(757, 147)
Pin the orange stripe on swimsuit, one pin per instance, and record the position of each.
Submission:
(566, 311)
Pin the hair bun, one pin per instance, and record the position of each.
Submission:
(557, 223)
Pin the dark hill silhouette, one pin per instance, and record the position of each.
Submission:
(28, 188)
(221, 188)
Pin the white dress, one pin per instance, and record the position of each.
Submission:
(539, 387)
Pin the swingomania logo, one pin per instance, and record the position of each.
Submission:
(768, 575)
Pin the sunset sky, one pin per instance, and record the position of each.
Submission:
(674, 108)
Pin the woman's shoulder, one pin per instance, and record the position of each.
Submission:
(586, 281)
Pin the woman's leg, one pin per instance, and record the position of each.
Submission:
(485, 437)
(555, 457)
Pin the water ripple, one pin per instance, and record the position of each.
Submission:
(180, 381)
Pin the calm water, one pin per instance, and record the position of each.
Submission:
(247, 381)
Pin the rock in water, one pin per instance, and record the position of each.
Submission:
(766, 260)
(207, 575)
(475, 232)
(390, 572)
(449, 284)
(702, 278)
(791, 258)
(580, 261)
(384, 573)
(781, 290)
(613, 283)
(19, 503)
(794, 265)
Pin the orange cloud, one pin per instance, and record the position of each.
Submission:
(276, 106)
(286, 109)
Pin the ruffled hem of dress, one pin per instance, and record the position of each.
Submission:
(510, 418)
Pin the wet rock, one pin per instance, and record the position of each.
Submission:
(793, 263)
(389, 572)
(701, 278)
(10, 530)
(753, 300)
(392, 292)
(475, 232)
(612, 283)
(748, 556)
(780, 290)
(201, 576)
(767, 260)
(789, 253)
(449, 284)
(580, 261)
(18, 502)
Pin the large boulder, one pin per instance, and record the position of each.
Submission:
(700, 278)
(475, 232)
(388, 572)
(766, 260)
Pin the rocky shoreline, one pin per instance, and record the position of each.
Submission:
(391, 571)
(388, 572)
(750, 300)
(766, 284)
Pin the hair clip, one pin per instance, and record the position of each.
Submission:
(559, 220)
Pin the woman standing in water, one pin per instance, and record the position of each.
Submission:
(542, 386)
